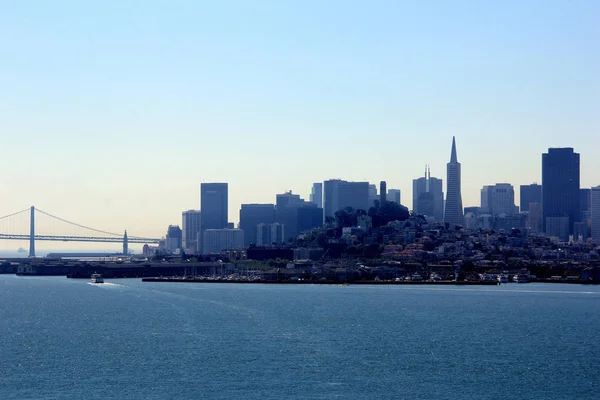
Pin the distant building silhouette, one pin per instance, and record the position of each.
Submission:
(394, 195)
(585, 203)
(530, 194)
(453, 214)
(191, 221)
(373, 197)
(473, 210)
(174, 238)
(297, 215)
(382, 192)
(288, 198)
(498, 199)
(560, 191)
(535, 218)
(218, 240)
(251, 215)
(428, 196)
(268, 235)
(585, 208)
(339, 194)
(316, 195)
(213, 206)
(595, 213)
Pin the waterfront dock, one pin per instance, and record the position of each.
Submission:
(179, 279)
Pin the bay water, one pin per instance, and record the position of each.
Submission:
(68, 339)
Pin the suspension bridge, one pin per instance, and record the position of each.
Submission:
(31, 218)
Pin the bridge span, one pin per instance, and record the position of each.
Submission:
(108, 237)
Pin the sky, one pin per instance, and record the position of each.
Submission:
(113, 112)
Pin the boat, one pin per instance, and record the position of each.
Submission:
(97, 278)
(502, 278)
(520, 278)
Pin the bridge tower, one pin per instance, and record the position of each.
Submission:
(125, 244)
(32, 233)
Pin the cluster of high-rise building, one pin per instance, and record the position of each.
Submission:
(207, 231)
(558, 207)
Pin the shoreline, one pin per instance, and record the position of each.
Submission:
(327, 282)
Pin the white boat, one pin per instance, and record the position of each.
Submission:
(520, 278)
(502, 278)
(97, 278)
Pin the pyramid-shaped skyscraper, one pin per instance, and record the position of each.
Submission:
(453, 213)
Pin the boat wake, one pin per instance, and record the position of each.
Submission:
(106, 284)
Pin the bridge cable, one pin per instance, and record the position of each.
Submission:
(13, 214)
(78, 225)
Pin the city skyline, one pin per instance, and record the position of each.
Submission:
(116, 118)
(233, 214)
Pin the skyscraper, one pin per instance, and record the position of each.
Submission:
(270, 234)
(251, 215)
(595, 213)
(213, 206)
(498, 199)
(530, 194)
(297, 215)
(394, 195)
(585, 209)
(535, 218)
(585, 203)
(373, 197)
(453, 213)
(316, 195)
(340, 194)
(287, 199)
(173, 239)
(560, 191)
(382, 192)
(428, 196)
(191, 229)
(486, 200)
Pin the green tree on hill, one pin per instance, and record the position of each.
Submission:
(388, 212)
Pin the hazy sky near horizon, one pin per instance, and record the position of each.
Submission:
(113, 112)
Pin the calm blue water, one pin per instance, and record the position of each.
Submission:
(67, 339)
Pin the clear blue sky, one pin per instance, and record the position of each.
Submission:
(112, 112)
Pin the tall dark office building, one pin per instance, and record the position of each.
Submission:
(251, 215)
(174, 237)
(454, 210)
(382, 192)
(213, 206)
(316, 195)
(428, 196)
(560, 191)
(530, 194)
(585, 203)
(297, 215)
(288, 198)
(338, 194)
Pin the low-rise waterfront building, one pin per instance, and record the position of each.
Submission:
(217, 240)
